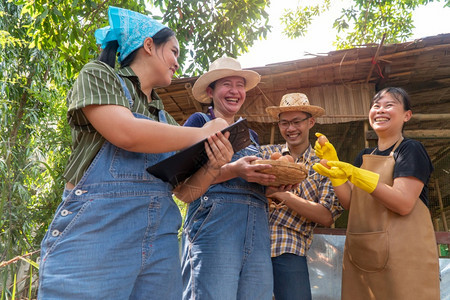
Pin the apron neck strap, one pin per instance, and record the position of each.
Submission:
(396, 145)
(393, 149)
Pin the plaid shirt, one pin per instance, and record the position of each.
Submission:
(290, 232)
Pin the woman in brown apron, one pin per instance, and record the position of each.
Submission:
(390, 250)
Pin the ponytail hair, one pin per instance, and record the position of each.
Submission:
(109, 54)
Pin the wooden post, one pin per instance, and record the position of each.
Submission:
(366, 129)
(272, 134)
(436, 224)
(441, 205)
(436, 228)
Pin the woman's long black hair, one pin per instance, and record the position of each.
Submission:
(109, 53)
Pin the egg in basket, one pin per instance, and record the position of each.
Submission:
(284, 168)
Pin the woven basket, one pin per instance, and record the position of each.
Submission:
(286, 172)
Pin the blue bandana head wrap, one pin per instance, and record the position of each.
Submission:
(128, 28)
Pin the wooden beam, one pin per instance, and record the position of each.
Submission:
(188, 87)
(417, 134)
(166, 93)
(358, 61)
(443, 155)
(324, 116)
(430, 117)
(345, 116)
(442, 237)
(421, 117)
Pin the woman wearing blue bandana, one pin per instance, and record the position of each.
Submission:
(114, 235)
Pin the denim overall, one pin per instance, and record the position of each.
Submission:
(114, 236)
(226, 242)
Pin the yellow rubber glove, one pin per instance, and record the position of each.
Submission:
(364, 179)
(326, 151)
(336, 175)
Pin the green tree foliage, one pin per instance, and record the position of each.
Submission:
(33, 137)
(210, 29)
(364, 22)
(296, 21)
(43, 45)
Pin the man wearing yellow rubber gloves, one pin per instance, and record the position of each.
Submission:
(390, 249)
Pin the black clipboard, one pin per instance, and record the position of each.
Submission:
(177, 168)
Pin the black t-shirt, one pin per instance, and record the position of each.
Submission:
(411, 159)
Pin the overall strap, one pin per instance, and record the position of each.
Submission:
(125, 89)
(161, 113)
(252, 139)
(162, 116)
(205, 116)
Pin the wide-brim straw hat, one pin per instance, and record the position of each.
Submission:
(221, 68)
(295, 102)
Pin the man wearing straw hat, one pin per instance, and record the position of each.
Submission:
(298, 212)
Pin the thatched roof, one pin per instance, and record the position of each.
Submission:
(343, 82)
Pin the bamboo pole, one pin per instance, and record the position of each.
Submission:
(430, 117)
(17, 258)
(417, 134)
(375, 58)
(366, 129)
(188, 87)
(436, 229)
(436, 224)
(272, 134)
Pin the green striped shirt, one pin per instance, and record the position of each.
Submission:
(97, 83)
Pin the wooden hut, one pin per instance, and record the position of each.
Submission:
(343, 82)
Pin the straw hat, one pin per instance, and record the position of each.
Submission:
(295, 102)
(221, 68)
(285, 172)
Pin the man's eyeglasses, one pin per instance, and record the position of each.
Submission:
(296, 123)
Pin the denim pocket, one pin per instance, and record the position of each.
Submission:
(64, 219)
(368, 251)
(129, 165)
(198, 220)
(133, 165)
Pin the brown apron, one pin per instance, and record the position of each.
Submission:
(388, 256)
